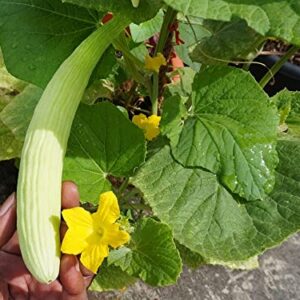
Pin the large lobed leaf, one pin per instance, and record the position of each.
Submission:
(229, 41)
(147, 8)
(280, 18)
(102, 142)
(230, 131)
(36, 36)
(209, 220)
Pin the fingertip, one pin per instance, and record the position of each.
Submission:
(70, 195)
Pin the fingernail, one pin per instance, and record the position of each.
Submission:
(9, 202)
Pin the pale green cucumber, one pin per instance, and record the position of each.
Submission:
(39, 184)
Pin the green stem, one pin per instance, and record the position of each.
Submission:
(164, 31)
(163, 36)
(155, 87)
(277, 66)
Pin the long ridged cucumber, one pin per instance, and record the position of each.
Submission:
(39, 184)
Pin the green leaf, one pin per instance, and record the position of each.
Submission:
(144, 31)
(14, 121)
(105, 65)
(9, 85)
(182, 87)
(288, 103)
(18, 113)
(102, 142)
(206, 218)
(195, 260)
(191, 33)
(111, 278)
(279, 18)
(248, 264)
(147, 8)
(140, 52)
(231, 131)
(37, 36)
(228, 41)
(98, 90)
(208, 9)
(10, 147)
(174, 112)
(152, 255)
(191, 259)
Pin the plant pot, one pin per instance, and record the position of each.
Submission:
(288, 76)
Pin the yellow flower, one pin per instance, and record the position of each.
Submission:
(154, 63)
(149, 125)
(91, 234)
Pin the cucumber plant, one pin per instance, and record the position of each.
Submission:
(217, 182)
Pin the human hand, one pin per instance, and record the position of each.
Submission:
(15, 280)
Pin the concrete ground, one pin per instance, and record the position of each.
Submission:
(278, 278)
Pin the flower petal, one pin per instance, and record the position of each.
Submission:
(73, 243)
(154, 120)
(154, 63)
(151, 132)
(116, 237)
(80, 225)
(108, 211)
(78, 217)
(139, 120)
(149, 125)
(152, 128)
(93, 256)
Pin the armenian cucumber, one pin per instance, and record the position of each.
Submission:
(39, 183)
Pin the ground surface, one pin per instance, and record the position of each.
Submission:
(278, 278)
